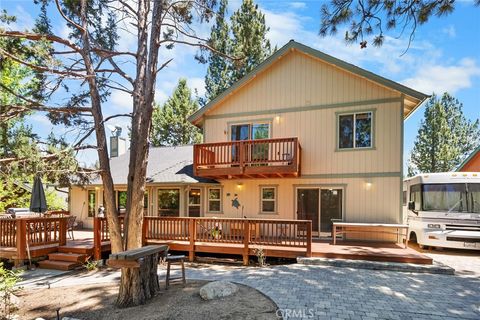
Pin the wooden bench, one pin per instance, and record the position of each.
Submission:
(133, 258)
(352, 227)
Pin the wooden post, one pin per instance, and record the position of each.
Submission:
(241, 156)
(21, 239)
(334, 229)
(144, 231)
(246, 240)
(309, 239)
(97, 239)
(62, 237)
(191, 234)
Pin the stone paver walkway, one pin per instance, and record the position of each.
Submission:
(321, 292)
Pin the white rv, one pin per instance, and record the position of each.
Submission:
(443, 209)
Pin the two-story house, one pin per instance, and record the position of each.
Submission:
(306, 136)
(303, 136)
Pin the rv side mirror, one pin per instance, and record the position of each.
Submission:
(411, 205)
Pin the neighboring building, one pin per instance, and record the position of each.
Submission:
(333, 148)
(471, 163)
(171, 188)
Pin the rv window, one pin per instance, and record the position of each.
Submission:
(404, 198)
(445, 197)
(415, 196)
(474, 194)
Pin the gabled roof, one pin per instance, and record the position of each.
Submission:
(166, 165)
(467, 159)
(292, 45)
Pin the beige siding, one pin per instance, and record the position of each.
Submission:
(79, 205)
(365, 199)
(301, 97)
(299, 80)
(317, 133)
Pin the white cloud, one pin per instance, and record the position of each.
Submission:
(197, 83)
(450, 31)
(443, 78)
(121, 100)
(298, 5)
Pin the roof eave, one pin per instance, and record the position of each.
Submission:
(197, 116)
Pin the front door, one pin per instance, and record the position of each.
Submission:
(307, 207)
(194, 203)
(330, 208)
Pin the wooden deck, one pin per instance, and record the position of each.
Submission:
(239, 237)
(261, 158)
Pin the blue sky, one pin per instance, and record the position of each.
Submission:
(445, 56)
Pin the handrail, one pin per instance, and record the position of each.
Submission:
(283, 152)
(240, 231)
(32, 232)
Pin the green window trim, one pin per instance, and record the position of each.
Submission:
(372, 111)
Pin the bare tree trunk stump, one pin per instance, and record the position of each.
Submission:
(137, 285)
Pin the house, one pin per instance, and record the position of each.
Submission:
(303, 136)
(171, 188)
(471, 163)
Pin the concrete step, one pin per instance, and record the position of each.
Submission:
(435, 268)
(58, 265)
(68, 257)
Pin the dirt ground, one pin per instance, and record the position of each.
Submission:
(178, 302)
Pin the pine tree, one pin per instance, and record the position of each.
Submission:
(249, 39)
(170, 126)
(217, 77)
(246, 40)
(445, 137)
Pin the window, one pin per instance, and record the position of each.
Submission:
(404, 198)
(194, 202)
(415, 196)
(169, 202)
(91, 202)
(474, 192)
(145, 203)
(355, 130)
(268, 198)
(121, 201)
(445, 197)
(214, 200)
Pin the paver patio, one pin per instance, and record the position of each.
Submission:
(319, 292)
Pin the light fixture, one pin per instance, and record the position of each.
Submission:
(368, 184)
(239, 185)
(277, 118)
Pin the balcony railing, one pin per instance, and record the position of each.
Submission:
(262, 158)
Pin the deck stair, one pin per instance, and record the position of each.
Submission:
(63, 261)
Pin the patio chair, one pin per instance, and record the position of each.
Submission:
(71, 225)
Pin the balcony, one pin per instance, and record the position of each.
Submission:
(262, 158)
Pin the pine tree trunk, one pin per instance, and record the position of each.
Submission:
(138, 285)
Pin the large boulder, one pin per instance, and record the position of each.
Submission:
(217, 289)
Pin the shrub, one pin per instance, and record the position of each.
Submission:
(8, 288)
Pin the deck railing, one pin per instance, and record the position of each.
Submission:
(244, 232)
(27, 233)
(248, 158)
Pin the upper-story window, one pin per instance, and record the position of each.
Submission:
(249, 131)
(355, 130)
